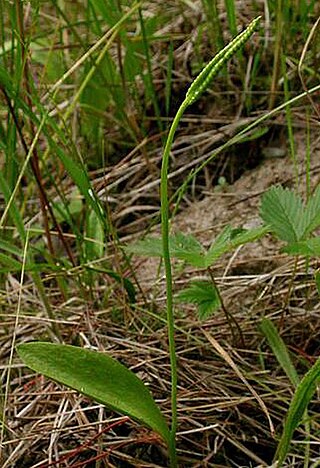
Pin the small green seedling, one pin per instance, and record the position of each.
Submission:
(95, 374)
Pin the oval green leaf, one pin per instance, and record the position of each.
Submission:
(97, 376)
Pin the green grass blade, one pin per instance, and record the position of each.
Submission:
(95, 242)
(79, 175)
(14, 212)
(168, 84)
(231, 15)
(279, 350)
(9, 264)
(97, 376)
(298, 406)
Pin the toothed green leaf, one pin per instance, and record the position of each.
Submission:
(311, 217)
(283, 210)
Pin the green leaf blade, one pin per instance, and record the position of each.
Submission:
(298, 406)
(279, 350)
(97, 376)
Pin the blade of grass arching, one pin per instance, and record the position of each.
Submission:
(308, 156)
(149, 81)
(9, 264)
(278, 51)
(168, 83)
(293, 153)
(231, 15)
(214, 27)
(10, 248)
(279, 350)
(221, 351)
(13, 210)
(281, 353)
(12, 347)
(238, 138)
(80, 177)
(298, 406)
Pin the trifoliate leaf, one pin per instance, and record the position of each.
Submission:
(182, 246)
(230, 239)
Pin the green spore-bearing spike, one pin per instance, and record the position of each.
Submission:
(202, 81)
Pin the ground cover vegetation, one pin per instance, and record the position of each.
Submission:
(112, 125)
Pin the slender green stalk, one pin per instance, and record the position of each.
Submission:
(198, 86)
(293, 153)
(167, 265)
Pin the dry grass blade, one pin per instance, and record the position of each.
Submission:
(236, 369)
